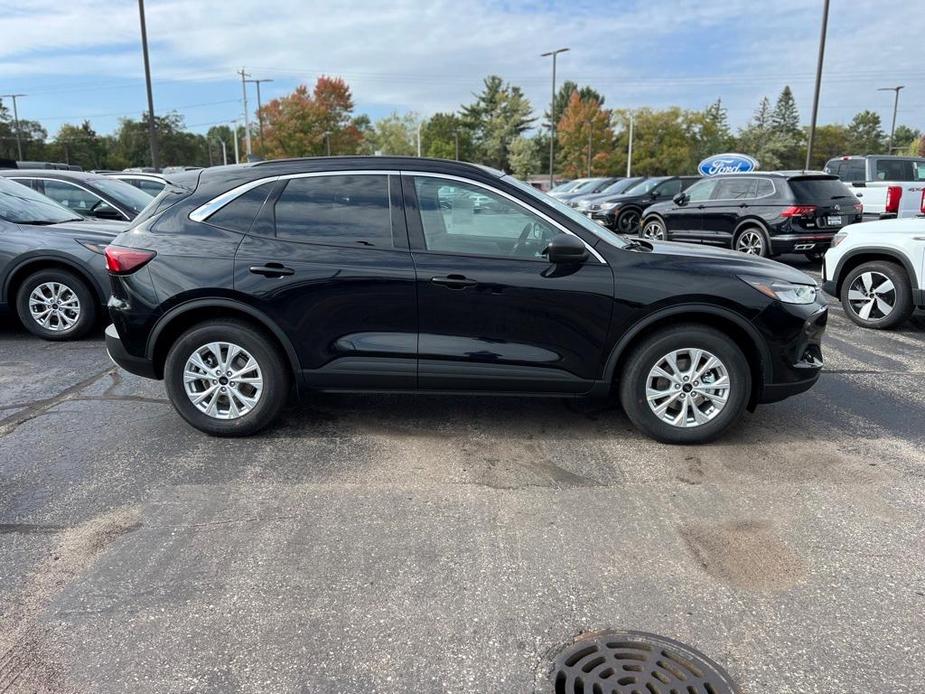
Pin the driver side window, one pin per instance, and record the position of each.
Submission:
(461, 218)
(74, 198)
(702, 190)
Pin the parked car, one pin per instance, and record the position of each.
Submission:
(757, 213)
(52, 268)
(568, 187)
(883, 182)
(623, 212)
(152, 184)
(593, 203)
(877, 271)
(89, 195)
(349, 273)
(592, 187)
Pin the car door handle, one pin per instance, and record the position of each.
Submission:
(272, 270)
(454, 281)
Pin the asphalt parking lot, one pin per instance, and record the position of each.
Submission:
(431, 544)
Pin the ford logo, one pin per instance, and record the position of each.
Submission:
(720, 164)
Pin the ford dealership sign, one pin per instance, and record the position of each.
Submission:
(720, 164)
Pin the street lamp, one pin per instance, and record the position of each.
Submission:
(552, 114)
(629, 148)
(15, 120)
(812, 124)
(259, 107)
(895, 106)
(590, 131)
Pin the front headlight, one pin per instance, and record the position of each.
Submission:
(608, 206)
(838, 238)
(784, 291)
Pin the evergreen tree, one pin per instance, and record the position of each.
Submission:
(525, 157)
(866, 135)
(499, 114)
(785, 144)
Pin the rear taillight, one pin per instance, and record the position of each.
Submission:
(859, 207)
(799, 211)
(893, 196)
(922, 206)
(123, 261)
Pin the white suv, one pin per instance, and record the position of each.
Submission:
(877, 270)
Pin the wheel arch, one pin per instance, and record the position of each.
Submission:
(745, 335)
(748, 222)
(35, 263)
(859, 256)
(180, 318)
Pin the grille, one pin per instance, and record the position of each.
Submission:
(633, 662)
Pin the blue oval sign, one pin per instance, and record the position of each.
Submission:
(720, 164)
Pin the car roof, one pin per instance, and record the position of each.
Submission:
(777, 174)
(51, 173)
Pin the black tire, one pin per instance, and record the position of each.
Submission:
(900, 298)
(653, 228)
(628, 221)
(275, 375)
(753, 232)
(85, 310)
(646, 355)
(814, 256)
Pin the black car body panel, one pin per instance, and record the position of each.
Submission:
(796, 211)
(398, 312)
(638, 199)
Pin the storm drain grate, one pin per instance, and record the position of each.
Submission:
(633, 662)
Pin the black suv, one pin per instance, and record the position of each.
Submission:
(389, 274)
(623, 212)
(758, 213)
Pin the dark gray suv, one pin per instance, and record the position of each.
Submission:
(52, 269)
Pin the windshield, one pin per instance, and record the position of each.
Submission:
(621, 186)
(643, 186)
(128, 195)
(819, 190)
(22, 205)
(588, 186)
(585, 223)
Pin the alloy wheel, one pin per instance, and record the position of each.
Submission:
(223, 380)
(750, 242)
(54, 306)
(688, 387)
(654, 229)
(872, 296)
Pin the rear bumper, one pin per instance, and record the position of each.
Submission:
(801, 243)
(140, 366)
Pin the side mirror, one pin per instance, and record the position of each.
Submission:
(107, 212)
(565, 248)
(680, 199)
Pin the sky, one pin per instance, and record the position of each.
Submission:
(82, 59)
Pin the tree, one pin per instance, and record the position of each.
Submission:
(565, 94)
(584, 131)
(710, 131)
(301, 123)
(830, 141)
(499, 114)
(867, 137)
(661, 142)
(754, 138)
(904, 139)
(525, 157)
(79, 144)
(785, 145)
(441, 133)
(395, 134)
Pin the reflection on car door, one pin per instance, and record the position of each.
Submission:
(492, 310)
(684, 222)
(730, 201)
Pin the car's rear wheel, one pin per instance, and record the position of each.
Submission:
(653, 228)
(628, 221)
(752, 241)
(226, 378)
(56, 305)
(688, 384)
(814, 256)
(877, 295)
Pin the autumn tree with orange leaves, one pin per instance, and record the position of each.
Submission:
(295, 125)
(584, 118)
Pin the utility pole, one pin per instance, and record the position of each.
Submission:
(420, 125)
(882, 89)
(247, 123)
(259, 107)
(812, 124)
(224, 153)
(590, 130)
(15, 120)
(152, 128)
(237, 154)
(629, 150)
(552, 115)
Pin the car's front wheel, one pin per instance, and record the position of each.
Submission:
(877, 295)
(56, 305)
(688, 384)
(628, 221)
(226, 378)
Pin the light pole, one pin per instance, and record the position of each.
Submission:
(552, 115)
(420, 125)
(629, 148)
(259, 107)
(15, 120)
(882, 89)
(590, 131)
(812, 124)
(237, 153)
(247, 123)
(152, 128)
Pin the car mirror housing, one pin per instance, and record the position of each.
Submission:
(680, 199)
(565, 248)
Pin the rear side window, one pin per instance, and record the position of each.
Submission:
(764, 188)
(897, 170)
(239, 214)
(816, 190)
(736, 189)
(336, 210)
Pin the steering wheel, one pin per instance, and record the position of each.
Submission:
(521, 243)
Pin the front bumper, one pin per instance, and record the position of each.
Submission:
(793, 334)
(140, 366)
(802, 243)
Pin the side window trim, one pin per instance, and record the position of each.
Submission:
(62, 181)
(415, 226)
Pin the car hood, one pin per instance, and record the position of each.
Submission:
(733, 261)
(96, 228)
